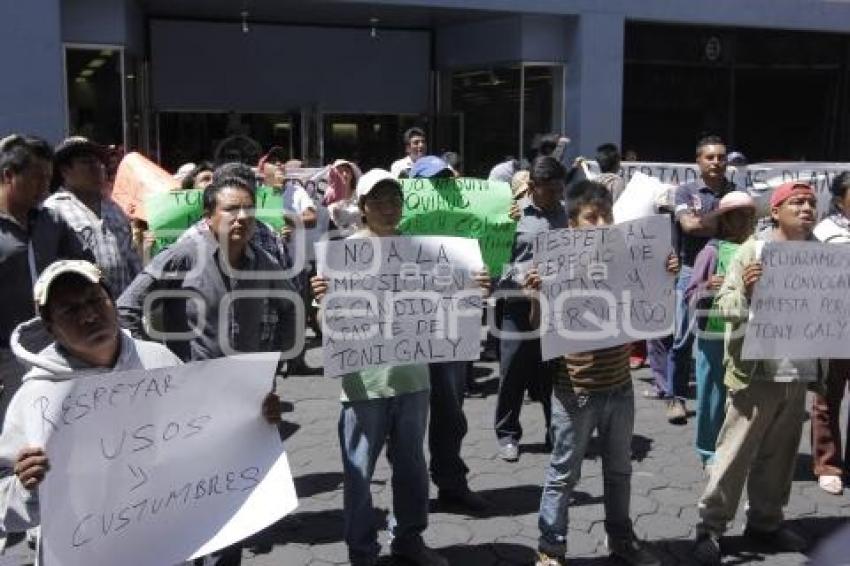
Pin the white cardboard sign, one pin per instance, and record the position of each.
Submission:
(604, 286)
(800, 307)
(157, 466)
(399, 300)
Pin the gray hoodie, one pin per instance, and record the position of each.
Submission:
(19, 507)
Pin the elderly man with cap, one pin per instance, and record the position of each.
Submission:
(75, 307)
(760, 436)
(80, 173)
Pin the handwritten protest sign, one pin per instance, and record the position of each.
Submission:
(604, 286)
(171, 213)
(800, 307)
(759, 179)
(469, 208)
(157, 466)
(399, 301)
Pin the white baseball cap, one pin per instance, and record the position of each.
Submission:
(372, 178)
(42, 285)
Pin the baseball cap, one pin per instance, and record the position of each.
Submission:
(784, 191)
(735, 200)
(429, 166)
(373, 178)
(41, 289)
(74, 146)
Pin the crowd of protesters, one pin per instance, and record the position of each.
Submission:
(72, 276)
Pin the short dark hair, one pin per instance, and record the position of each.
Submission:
(236, 169)
(547, 168)
(709, 140)
(411, 133)
(608, 158)
(17, 152)
(838, 189)
(188, 182)
(588, 193)
(545, 144)
(218, 185)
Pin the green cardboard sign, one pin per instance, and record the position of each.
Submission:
(172, 213)
(471, 208)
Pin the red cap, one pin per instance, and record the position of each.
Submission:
(785, 190)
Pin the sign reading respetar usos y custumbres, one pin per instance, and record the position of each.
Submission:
(399, 301)
(157, 466)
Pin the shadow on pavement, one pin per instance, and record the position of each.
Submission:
(308, 485)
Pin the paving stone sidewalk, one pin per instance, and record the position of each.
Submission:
(666, 483)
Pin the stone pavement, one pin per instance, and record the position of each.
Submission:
(666, 483)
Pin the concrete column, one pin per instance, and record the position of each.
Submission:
(32, 98)
(594, 82)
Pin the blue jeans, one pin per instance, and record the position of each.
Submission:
(447, 425)
(364, 426)
(679, 361)
(711, 395)
(574, 418)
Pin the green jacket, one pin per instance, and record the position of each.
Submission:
(734, 308)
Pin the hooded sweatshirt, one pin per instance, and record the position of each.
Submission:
(51, 365)
(734, 308)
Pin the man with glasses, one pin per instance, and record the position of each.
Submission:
(98, 222)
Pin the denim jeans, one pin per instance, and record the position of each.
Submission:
(521, 368)
(364, 426)
(447, 425)
(657, 350)
(711, 395)
(574, 418)
(679, 361)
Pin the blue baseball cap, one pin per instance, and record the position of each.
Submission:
(429, 166)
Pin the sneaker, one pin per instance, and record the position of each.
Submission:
(632, 550)
(636, 362)
(676, 412)
(421, 556)
(509, 452)
(831, 484)
(782, 539)
(544, 559)
(706, 549)
(464, 499)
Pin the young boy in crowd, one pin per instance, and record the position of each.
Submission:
(592, 391)
(736, 218)
(760, 436)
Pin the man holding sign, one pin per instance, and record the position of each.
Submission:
(760, 435)
(75, 307)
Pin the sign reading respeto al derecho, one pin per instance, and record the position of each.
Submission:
(172, 213)
(157, 466)
(800, 308)
(399, 301)
(469, 208)
(604, 286)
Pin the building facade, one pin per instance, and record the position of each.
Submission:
(199, 79)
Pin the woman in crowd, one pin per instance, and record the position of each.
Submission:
(340, 199)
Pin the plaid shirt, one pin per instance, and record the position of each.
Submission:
(108, 236)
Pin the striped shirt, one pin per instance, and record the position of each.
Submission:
(598, 370)
(108, 236)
